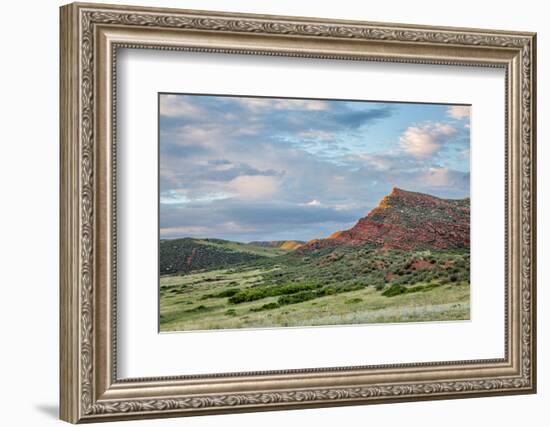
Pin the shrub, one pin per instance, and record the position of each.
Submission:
(199, 309)
(400, 290)
(424, 288)
(268, 306)
(354, 286)
(295, 287)
(253, 294)
(223, 294)
(227, 293)
(394, 290)
(326, 291)
(297, 298)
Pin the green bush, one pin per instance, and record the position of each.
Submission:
(251, 294)
(226, 293)
(424, 288)
(223, 294)
(199, 309)
(257, 293)
(326, 291)
(400, 290)
(353, 287)
(394, 290)
(297, 298)
(268, 306)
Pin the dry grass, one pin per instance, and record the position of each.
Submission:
(186, 305)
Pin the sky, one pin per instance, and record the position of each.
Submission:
(251, 168)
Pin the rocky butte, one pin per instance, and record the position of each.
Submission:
(409, 221)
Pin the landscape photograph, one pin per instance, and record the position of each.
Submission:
(291, 212)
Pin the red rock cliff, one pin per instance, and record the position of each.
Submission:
(407, 220)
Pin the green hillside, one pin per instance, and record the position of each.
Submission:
(328, 286)
(188, 254)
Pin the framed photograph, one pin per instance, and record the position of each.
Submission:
(266, 212)
(263, 212)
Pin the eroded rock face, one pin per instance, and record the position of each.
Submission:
(407, 220)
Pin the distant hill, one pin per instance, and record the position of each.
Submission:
(189, 254)
(285, 245)
(409, 221)
(403, 220)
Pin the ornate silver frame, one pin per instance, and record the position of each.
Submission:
(90, 36)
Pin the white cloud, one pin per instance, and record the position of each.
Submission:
(464, 154)
(226, 227)
(208, 136)
(425, 141)
(317, 134)
(254, 187)
(380, 163)
(335, 206)
(184, 230)
(458, 111)
(256, 104)
(178, 106)
(301, 104)
(442, 177)
(178, 197)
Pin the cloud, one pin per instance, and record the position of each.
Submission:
(253, 220)
(211, 230)
(254, 187)
(437, 177)
(316, 134)
(268, 169)
(230, 171)
(256, 104)
(464, 154)
(184, 231)
(178, 106)
(301, 104)
(444, 177)
(356, 119)
(459, 111)
(177, 197)
(426, 140)
(378, 162)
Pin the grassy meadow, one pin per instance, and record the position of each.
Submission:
(277, 288)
